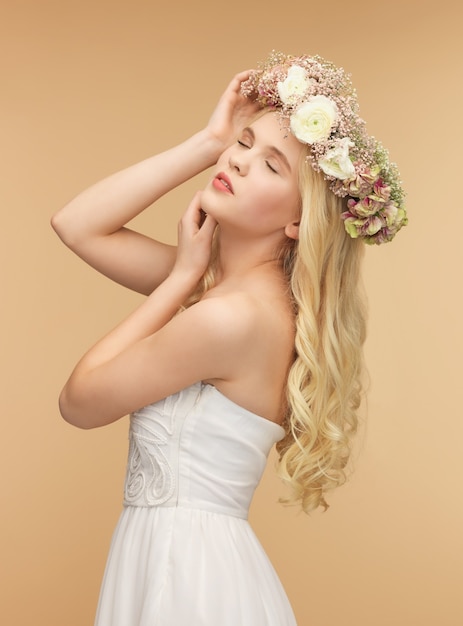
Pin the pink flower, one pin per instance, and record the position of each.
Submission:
(370, 174)
(381, 191)
(358, 186)
(382, 236)
(352, 224)
(372, 225)
(390, 212)
(364, 207)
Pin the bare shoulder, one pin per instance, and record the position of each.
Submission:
(235, 314)
(231, 325)
(253, 337)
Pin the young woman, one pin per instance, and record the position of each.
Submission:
(250, 335)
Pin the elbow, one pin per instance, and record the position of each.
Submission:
(74, 414)
(83, 408)
(60, 225)
(68, 228)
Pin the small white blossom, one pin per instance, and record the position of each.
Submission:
(337, 162)
(294, 86)
(313, 120)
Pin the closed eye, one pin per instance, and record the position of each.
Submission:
(241, 143)
(271, 168)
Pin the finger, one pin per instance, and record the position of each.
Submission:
(244, 75)
(206, 231)
(239, 78)
(187, 224)
(193, 211)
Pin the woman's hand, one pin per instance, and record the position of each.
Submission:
(195, 232)
(233, 112)
(139, 338)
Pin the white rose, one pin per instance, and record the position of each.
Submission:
(294, 86)
(336, 161)
(314, 119)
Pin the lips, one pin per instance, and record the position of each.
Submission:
(223, 183)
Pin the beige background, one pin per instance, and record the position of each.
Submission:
(89, 87)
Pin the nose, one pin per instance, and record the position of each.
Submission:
(239, 161)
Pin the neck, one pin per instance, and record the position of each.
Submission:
(240, 256)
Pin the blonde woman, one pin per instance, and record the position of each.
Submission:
(251, 335)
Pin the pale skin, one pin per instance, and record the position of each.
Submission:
(240, 336)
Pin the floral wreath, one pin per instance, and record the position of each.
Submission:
(320, 105)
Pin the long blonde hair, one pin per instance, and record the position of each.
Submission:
(324, 382)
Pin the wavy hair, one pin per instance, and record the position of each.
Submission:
(324, 385)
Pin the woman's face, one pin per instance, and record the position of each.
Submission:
(255, 183)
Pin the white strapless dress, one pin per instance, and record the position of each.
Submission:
(183, 552)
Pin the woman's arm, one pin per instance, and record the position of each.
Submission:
(93, 223)
(154, 353)
(188, 349)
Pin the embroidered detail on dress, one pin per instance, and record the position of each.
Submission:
(149, 480)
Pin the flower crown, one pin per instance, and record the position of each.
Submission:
(320, 105)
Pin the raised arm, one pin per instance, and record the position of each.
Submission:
(153, 352)
(93, 223)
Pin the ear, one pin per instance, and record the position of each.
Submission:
(292, 230)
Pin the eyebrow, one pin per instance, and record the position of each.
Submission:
(273, 149)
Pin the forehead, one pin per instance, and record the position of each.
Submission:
(271, 130)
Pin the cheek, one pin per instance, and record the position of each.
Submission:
(286, 200)
(268, 201)
(276, 207)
